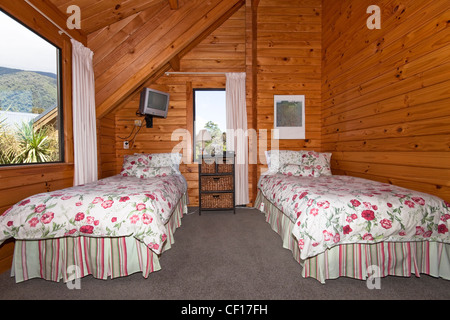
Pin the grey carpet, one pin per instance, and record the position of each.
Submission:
(219, 255)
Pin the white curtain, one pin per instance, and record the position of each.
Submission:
(84, 119)
(237, 140)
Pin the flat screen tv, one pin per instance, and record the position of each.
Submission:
(153, 103)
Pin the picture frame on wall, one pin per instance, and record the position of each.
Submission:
(289, 117)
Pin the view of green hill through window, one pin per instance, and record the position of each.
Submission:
(30, 111)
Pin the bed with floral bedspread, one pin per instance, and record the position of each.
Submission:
(340, 225)
(126, 220)
(112, 207)
(332, 210)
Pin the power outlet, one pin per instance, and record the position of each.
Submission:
(126, 145)
(138, 123)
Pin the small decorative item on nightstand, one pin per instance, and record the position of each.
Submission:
(216, 183)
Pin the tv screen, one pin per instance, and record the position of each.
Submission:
(154, 103)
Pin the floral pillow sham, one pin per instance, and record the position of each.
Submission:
(158, 172)
(299, 170)
(134, 165)
(277, 160)
(319, 160)
(144, 165)
(163, 160)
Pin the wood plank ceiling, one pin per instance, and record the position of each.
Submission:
(136, 40)
(99, 14)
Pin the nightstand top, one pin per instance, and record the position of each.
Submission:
(209, 158)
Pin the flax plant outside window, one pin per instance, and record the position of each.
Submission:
(30, 104)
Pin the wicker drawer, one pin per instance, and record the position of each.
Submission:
(208, 167)
(217, 200)
(217, 183)
(224, 168)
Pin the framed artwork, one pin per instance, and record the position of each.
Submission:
(289, 116)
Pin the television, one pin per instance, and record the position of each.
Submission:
(153, 103)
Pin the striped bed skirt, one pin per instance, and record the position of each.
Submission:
(71, 258)
(353, 260)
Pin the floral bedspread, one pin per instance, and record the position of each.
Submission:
(111, 207)
(334, 210)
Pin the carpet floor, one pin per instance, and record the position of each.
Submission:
(226, 256)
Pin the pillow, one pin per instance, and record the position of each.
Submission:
(319, 160)
(163, 160)
(299, 170)
(133, 165)
(276, 159)
(157, 172)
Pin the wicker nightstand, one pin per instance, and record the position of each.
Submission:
(216, 183)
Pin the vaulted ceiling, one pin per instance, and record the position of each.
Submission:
(98, 14)
(136, 40)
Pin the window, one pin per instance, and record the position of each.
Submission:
(209, 121)
(30, 104)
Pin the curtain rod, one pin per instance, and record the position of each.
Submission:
(169, 73)
(61, 30)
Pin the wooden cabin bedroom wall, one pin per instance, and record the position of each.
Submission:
(289, 63)
(386, 97)
(18, 182)
(222, 51)
(132, 50)
(278, 45)
(106, 149)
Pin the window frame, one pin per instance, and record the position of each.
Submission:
(194, 133)
(60, 99)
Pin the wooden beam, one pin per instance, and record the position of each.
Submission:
(251, 16)
(175, 63)
(58, 17)
(173, 4)
(190, 119)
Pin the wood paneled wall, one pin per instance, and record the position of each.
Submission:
(18, 182)
(128, 53)
(222, 51)
(106, 146)
(289, 63)
(386, 92)
(278, 44)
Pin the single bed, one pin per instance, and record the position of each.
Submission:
(348, 226)
(108, 228)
